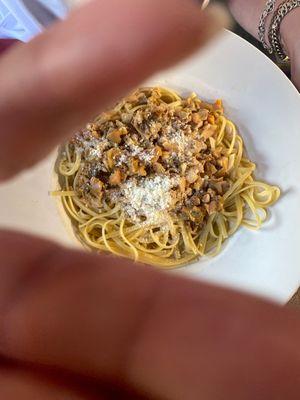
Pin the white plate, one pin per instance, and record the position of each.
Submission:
(266, 107)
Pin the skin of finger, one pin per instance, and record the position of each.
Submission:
(54, 84)
(17, 384)
(5, 44)
(167, 337)
(20, 380)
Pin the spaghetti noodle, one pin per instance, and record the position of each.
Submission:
(160, 179)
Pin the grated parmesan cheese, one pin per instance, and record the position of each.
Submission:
(149, 198)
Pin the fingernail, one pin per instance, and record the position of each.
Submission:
(77, 4)
(205, 4)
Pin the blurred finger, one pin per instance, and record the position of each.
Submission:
(27, 381)
(5, 44)
(164, 336)
(63, 77)
(19, 384)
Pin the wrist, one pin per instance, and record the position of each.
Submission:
(290, 32)
(247, 14)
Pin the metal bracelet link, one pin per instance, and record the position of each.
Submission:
(274, 32)
(269, 8)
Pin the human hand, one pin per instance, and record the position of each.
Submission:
(248, 13)
(80, 326)
(76, 68)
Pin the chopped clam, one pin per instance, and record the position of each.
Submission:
(183, 168)
(142, 171)
(134, 166)
(116, 135)
(146, 136)
(116, 178)
(157, 153)
(212, 142)
(111, 155)
(158, 168)
(212, 207)
(206, 198)
(182, 184)
(203, 114)
(96, 184)
(126, 118)
(196, 118)
(192, 175)
(208, 131)
(170, 146)
(198, 184)
(211, 119)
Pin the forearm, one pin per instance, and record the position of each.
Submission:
(248, 13)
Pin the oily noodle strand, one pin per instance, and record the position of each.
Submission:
(245, 203)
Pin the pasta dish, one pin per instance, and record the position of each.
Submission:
(160, 179)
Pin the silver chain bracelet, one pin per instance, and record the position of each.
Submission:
(269, 8)
(274, 32)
